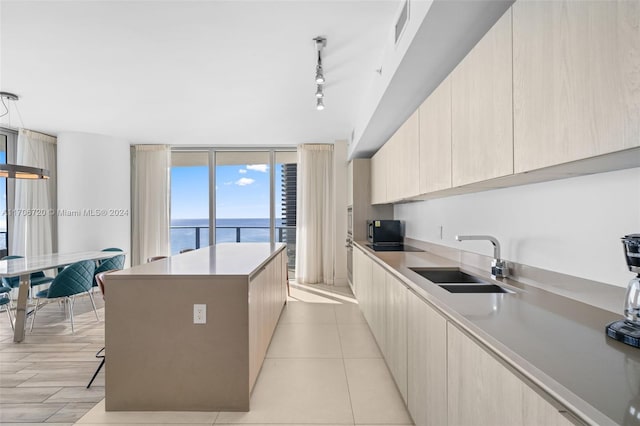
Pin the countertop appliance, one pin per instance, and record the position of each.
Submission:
(384, 231)
(628, 329)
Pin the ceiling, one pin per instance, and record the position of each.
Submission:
(191, 72)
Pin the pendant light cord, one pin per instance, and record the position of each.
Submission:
(6, 108)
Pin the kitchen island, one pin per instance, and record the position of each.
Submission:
(160, 359)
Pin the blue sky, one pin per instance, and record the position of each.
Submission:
(242, 191)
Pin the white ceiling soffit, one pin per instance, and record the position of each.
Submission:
(448, 32)
(191, 72)
(240, 158)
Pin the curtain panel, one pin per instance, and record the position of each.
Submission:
(315, 215)
(34, 234)
(150, 202)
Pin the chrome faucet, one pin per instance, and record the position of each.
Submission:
(499, 267)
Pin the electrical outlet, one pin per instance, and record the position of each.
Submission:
(199, 314)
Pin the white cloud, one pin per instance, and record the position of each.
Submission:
(244, 181)
(258, 167)
(242, 171)
(229, 183)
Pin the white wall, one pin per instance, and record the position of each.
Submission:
(572, 226)
(340, 192)
(93, 173)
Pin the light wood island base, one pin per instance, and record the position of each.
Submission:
(159, 360)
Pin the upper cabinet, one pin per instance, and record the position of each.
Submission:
(379, 176)
(435, 140)
(481, 96)
(405, 160)
(395, 167)
(576, 74)
(551, 83)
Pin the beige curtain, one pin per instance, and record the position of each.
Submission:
(315, 215)
(34, 225)
(150, 202)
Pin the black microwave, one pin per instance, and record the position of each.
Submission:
(384, 231)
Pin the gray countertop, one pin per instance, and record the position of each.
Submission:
(556, 342)
(230, 259)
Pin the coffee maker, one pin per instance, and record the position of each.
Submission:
(628, 330)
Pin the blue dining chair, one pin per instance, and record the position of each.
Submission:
(75, 279)
(37, 278)
(5, 301)
(110, 264)
(110, 249)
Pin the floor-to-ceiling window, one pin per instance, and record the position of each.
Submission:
(5, 136)
(189, 200)
(249, 195)
(243, 196)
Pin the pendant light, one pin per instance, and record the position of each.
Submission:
(15, 171)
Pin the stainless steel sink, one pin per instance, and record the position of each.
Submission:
(474, 288)
(447, 276)
(455, 281)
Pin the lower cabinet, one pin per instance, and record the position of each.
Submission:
(267, 296)
(395, 331)
(443, 375)
(378, 312)
(482, 391)
(426, 363)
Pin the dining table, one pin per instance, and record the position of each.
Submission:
(23, 267)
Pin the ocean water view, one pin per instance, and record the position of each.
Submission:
(185, 232)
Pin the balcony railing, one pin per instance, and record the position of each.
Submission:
(183, 237)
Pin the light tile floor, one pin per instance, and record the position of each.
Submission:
(323, 367)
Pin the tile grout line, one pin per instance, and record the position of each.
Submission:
(344, 366)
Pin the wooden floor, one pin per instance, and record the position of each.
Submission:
(43, 379)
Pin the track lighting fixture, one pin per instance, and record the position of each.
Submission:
(321, 42)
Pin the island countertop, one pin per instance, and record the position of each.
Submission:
(229, 259)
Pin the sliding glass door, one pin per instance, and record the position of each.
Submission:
(243, 196)
(189, 200)
(250, 196)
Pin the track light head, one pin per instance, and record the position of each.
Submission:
(319, 92)
(319, 104)
(10, 96)
(319, 75)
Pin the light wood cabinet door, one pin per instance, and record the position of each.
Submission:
(407, 170)
(426, 363)
(363, 281)
(480, 390)
(481, 104)
(392, 151)
(396, 331)
(378, 312)
(379, 177)
(576, 68)
(266, 299)
(402, 153)
(538, 411)
(435, 140)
